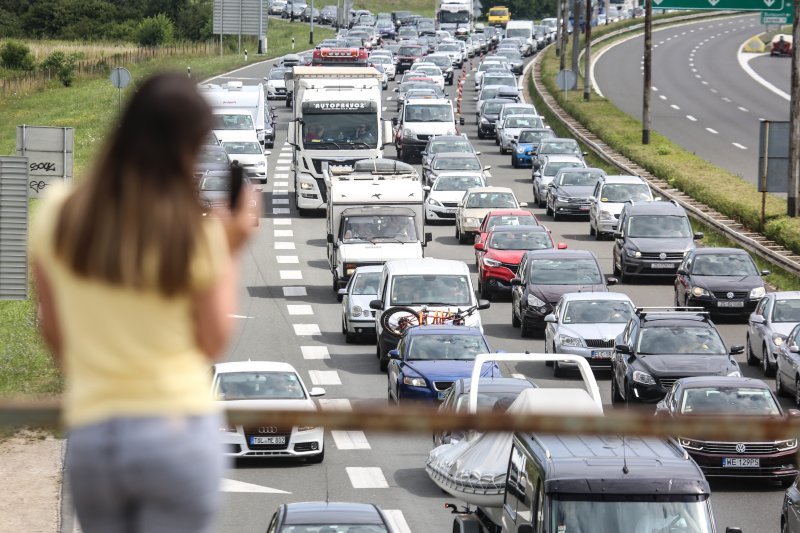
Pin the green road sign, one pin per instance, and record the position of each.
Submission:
(729, 5)
(786, 16)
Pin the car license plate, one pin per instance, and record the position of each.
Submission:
(442, 394)
(268, 440)
(730, 303)
(601, 354)
(741, 462)
(664, 266)
(584, 208)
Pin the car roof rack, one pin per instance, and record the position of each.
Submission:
(670, 309)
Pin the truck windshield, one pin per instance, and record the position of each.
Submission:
(233, 122)
(628, 514)
(525, 33)
(429, 113)
(450, 17)
(431, 289)
(379, 228)
(340, 131)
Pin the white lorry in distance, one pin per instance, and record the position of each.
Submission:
(523, 29)
(236, 96)
(338, 119)
(375, 214)
(454, 14)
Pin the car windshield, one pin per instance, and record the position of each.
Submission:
(728, 401)
(491, 79)
(489, 200)
(456, 163)
(498, 12)
(440, 61)
(212, 156)
(382, 60)
(429, 113)
(639, 514)
(449, 48)
(487, 400)
(277, 74)
(492, 108)
(520, 240)
(259, 386)
(534, 136)
(488, 92)
(445, 346)
(215, 183)
(233, 122)
(509, 111)
(523, 121)
(786, 311)
(560, 147)
(377, 228)
(597, 312)
(457, 183)
(659, 226)
(430, 70)
(450, 146)
(565, 271)
(366, 283)
(680, 340)
(242, 147)
(410, 51)
(511, 220)
(420, 93)
(431, 289)
(579, 179)
(518, 32)
(329, 527)
(552, 168)
(724, 265)
(486, 65)
(622, 192)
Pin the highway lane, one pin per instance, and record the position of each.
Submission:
(286, 266)
(702, 98)
(775, 70)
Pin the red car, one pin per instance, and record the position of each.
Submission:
(502, 252)
(502, 217)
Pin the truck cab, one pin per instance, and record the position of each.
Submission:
(499, 16)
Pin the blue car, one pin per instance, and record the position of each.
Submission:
(429, 359)
(524, 148)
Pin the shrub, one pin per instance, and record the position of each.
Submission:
(154, 31)
(62, 65)
(16, 55)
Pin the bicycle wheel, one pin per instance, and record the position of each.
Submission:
(395, 320)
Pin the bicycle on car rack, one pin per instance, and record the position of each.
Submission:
(397, 319)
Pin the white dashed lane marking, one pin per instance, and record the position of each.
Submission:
(675, 107)
(314, 352)
(743, 109)
(397, 521)
(287, 259)
(739, 146)
(299, 309)
(280, 193)
(712, 130)
(282, 245)
(282, 221)
(306, 330)
(283, 176)
(366, 477)
(280, 210)
(294, 291)
(335, 404)
(291, 274)
(283, 233)
(690, 117)
(350, 440)
(281, 184)
(662, 96)
(285, 168)
(324, 377)
(280, 201)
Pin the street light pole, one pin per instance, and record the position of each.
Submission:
(792, 207)
(648, 70)
(260, 26)
(587, 41)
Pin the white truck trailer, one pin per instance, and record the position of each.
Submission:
(454, 14)
(236, 96)
(338, 119)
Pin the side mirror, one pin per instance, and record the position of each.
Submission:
(316, 391)
(611, 280)
(515, 281)
(428, 237)
(697, 236)
(536, 174)
(484, 304)
(551, 319)
(617, 234)
(330, 238)
(562, 246)
(733, 530)
(793, 413)
(395, 89)
(526, 528)
(376, 305)
(523, 204)
(756, 319)
(682, 272)
(622, 348)
(487, 167)
(794, 348)
(737, 349)
(395, 121)
(426, 188)
(394, 354)
(474, 98)
(479, 246)
(461, 121)
(342, 292)
(765, 272)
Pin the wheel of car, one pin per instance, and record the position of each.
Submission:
(797, 391)
(485, 290)
(592, 232)
(316, 459)
(383, 360)
(480, 134)
(458, 233)
(614, 266)
(556, 216)
(780, 391)
(616, 397)
(765, 366)
(547, 208)
(752, 360)
(558, 371)
(515, 323)
(463, 238)
(526, 330)
(514, 163)
(344, 326)
(502, 150)
(496, 141)
(623, 277)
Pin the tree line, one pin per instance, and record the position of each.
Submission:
(522, 9)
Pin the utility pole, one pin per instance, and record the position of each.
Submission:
(311, 20)
(576, 31)
(563, 24)
(558, 28)
(794, 120)
(587, 53)
(648, 70)
(260, 26)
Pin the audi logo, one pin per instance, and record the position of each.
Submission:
(741, 448)
(267, 429)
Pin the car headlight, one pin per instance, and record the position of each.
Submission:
(306, 428)
(356, 311)
(408, 133)
(700, 291)
(758, 292)
(414, 382)
(306, 186)
(778, 339)
(491, 262)
(484, 120)
(261, 164)
(433, 201)
(227, 428)
(734, 374)
(469, 221)
(451, 131)
(520, 149)
(786, 444)
(633, 253)
(605, 215)
(533, 301)
(566, 340)
(643, 377)
(690, 444)
(562, 198)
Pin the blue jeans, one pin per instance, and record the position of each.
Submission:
(148, 474)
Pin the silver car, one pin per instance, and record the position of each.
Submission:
(586, 324)
(773, 319)
(550, 166)
(357, 318)
(508, 129)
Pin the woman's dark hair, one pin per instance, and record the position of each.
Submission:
(135, 221)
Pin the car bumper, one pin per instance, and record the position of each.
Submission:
(486, 129)
(640, 267)
(361, 326)
(413, 146)
(596, 357)
(723, 307)
(299, 444)
(568, 208)
(440, 213)
(534, 316)
(522, 159)
(607, 226)
(779, 465)
(497, 284)
(417, 394)
(646, 393)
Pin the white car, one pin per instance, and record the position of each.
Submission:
(386, 62)
(265, 385)
(246, 149)
(476, 203)
(362, 287)
(275, 83)
(509, 128)
(485, 65)
(447, 192)
(430, 71)
(609, 197)
(453, 51)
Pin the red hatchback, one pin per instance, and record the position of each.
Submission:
(502, 252)
(502, 217)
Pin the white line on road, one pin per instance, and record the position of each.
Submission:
(712, 130)
(282, 176)
(743, 109)
(324, 377)
(366, 477)
(694, 70)
(295, 291)
(690, 117)
(655, 89)
(280, 193)
(714, 91)
(291, 274)
(233, 485)
(704, 82)
(306, 330)
(662, 96)
(280, 201)
(287, 259)
(281, 168)
(283, 245)
(676, 108)
(726, 99)
(335, 404)
(314, 352)
(739, 146)
(350, 440)
(397, 521)
(239, 316)
(280, 210)
(388, 98)
(299, 309)
(283, 233)
(279, 184)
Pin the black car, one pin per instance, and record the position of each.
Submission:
(730, 396)
(328, 516)
(328, 15)
(790, 510)
(211, 158)
(569, 192)
(442, 61)
(661, 345)
(652, 239)
(487, 116)
(446, 143)
(544, 276)
(724, 281)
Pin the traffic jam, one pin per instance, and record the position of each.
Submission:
(435, 257)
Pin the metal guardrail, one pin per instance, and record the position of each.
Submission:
(748, 239)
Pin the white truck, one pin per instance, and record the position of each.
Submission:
(338, 119)
(454, 14)
(236, 96)
(375, 213)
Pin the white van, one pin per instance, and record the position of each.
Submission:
(437, 284)
(236, 96)
(523, 29)
(609, 197)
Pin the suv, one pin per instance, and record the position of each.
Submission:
(660, 346)
(609, 197)
(419, 121)
(652, 239)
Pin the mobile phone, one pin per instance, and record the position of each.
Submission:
(237, 181)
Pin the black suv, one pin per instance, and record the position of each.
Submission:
(652, 239)
(487, 116)
(660, 346)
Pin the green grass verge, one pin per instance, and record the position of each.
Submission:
(90, 106)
